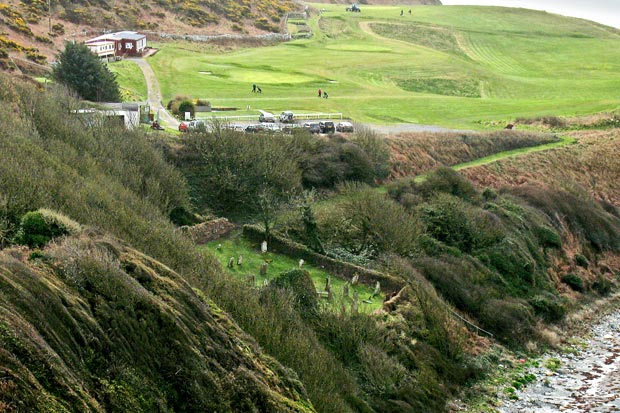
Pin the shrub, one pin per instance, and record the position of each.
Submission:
(573, 281)
(550, 307)
(602, 285)
(511, 319)
(186, 106)
(447, 180)
(581, 261)
(548, 237)
(37, 228)
(445, 219)
(299, 283)
(180, 216)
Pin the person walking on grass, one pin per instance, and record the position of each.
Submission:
(320, 92)
(258, 89)
(254, 88)
(325, 95)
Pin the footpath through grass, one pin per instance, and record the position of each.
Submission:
(564, 141)
(236, 245)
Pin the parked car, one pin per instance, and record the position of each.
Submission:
(266, 117)
(287, 117)
(344, 127)
(312, 127)
(327, 127)
(271, 127)
(253, 129)
(192, 125)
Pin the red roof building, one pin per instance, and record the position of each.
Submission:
(125, 43)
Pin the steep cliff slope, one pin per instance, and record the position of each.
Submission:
(92, 325)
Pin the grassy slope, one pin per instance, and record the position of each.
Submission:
(131, 78)
(524, 62)
(593, 165)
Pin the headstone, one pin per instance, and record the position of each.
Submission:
(263, 268)
(355, 279)
(263, 247)
(377, 290)
(240, 260)
(345, 290)
(231, 262)
(301, 262)
(327, 284)
(252, 279)
(355, 304)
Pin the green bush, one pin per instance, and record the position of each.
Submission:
(573, 281)
(186, 106)
(299, 283)
(548, 306)
(581, 261)
(448, 181)
(602, 285)
(37, 228)
(510, 319)
(548, 237)
(180, 216)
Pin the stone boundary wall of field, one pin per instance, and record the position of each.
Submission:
(340, 269)
(209, 230)
(219, 37)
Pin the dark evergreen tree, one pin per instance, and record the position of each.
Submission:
(82, 71)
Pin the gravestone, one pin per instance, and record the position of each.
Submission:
(355, 304)
(231, 262)
(263, 268)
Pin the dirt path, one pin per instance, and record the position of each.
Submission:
(154, 95)
(586, 382)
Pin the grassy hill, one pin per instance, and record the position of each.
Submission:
(28, 29)
(457, 66)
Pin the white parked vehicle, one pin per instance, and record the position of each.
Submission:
(344, 127)
(287, 117)
(266, 117)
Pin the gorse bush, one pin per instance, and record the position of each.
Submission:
(37, 228)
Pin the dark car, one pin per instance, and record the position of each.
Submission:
(312, 127)
(327, 127)
(253, 129)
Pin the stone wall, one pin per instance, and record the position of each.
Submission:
(209, 230)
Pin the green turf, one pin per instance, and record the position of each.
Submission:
(454, 66)
(253, 259)
(131, 80)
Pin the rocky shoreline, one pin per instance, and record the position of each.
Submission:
(587, 381)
